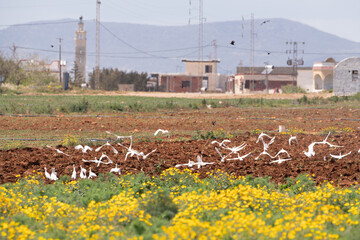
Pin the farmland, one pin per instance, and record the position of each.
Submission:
(306, 197)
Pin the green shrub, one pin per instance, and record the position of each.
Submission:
(292, 89)
(80, 107)
(159, 204)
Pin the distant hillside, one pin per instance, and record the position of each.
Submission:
(147, 48)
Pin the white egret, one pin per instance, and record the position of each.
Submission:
(292, 138)
(58, 151)
(73, 175)
(82, 172)
(47, 175)
(84, 148)
(91, 174)
(107, 144)
(53, 175)
(162, 131)
(339, 156)
(116, 170)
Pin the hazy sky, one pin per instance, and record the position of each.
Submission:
(339, 17)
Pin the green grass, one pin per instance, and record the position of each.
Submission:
(61, 104)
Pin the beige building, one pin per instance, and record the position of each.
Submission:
(323, 75)
(205, 68)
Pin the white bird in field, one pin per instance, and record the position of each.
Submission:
(47, 175)
(58, 151)
(91, 174)
(266, 145)
(222, 157)
(279, 160)
(221, 143)
(82, 172)
(73, 175)
(99, 161)
(53, 175)
(339, 156)
(282, 151)
(132, 152)
(84, 148)
(102, 157)
(261, 136)
(107, 144)
(162, 131)
(240, 158)
(264, 153)
(145, 156)
(311, 151)
(117, 136)
(190, 164)
(326, 142)
(236, 149)
(292, 138)
(200, 162)
(116, 170)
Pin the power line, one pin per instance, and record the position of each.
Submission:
(35, 24)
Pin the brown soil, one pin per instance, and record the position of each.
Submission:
(179, 149)
(169, 152)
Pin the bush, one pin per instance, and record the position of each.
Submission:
(292, 89)
(159, 204)
(81, 107)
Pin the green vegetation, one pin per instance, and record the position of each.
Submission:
(177, 205)
(292, 89)
(56, 104)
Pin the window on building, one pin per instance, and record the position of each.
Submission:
(208, 69)
(355, 75)
(185, 84)
(80, 51)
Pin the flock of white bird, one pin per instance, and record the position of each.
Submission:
(231, 154)
(104, 159)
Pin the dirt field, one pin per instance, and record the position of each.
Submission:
(179, 149)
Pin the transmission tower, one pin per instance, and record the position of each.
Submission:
(252, 47)
(201, 26)
(97, 61)
(293, 59)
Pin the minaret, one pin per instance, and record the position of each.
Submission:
(80, 54)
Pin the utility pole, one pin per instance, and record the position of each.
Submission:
(294, 61)
(13, 49)
(97, 63)
(60, 78)
(252, 47)
(201, 25)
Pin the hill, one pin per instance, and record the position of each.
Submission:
(147, 48)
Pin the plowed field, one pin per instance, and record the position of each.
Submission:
(179, 148)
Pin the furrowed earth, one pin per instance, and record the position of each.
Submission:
(181, 147)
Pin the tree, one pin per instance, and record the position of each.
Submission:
(111, 78)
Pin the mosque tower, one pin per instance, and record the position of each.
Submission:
(80, 54)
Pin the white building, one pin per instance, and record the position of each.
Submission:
(346, 77)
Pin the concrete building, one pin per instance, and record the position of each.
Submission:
(323, 75)
(346, 77)
(205, 68)
(80, 54)
(261, 79)
(174, 82)
(30, 65)
(199, 76)
(305, 79)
